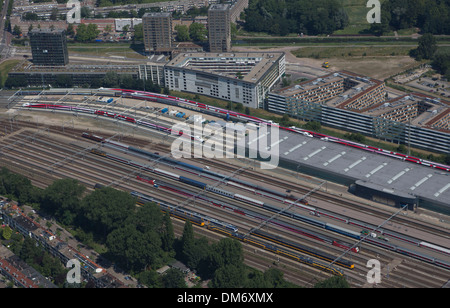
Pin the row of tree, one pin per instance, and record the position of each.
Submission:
(86, 33)
(196, 32)
(295, 16)
(427, 49)
(223, 263)
(431, 16)
(111, 79)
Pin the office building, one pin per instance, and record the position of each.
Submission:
(49, 48)
(157, 28)
(344, 90)
(219, 28)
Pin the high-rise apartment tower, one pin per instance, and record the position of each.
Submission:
(219, 28)
(157, 28)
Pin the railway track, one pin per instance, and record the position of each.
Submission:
(86, 172)
(342, 203)
(289, 186)
(18, 154)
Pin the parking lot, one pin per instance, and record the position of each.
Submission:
(432, 85)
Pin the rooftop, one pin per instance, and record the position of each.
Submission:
(348, 86)
(219, 7)
(415, 108)
(249, 67)
(48, 31)
(157, 14)
(340, 161)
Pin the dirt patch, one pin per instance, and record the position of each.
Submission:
(376, 67)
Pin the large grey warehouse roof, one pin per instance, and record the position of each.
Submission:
(326, 157)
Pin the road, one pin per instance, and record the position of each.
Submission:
(5, 40)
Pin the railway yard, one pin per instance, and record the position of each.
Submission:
(305, 227)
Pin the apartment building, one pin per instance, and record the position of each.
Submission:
(344, 90)
(237, 77)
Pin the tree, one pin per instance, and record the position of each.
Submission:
(30, 16)
(82, 33)
(295, 16)
(167, 234)
(63, 199)
(138, 33)
(427, 47)
(54, 14)
(105, 210)
(70, 31)
(85, 12)
(17, 186)
(111, 79)
(92, 31)
(441, 62)
(87, 33)
(108, 29)
(182, 33)
(151, 279)
(17, 31)
(7, 232)
(313, 125)
(187, 241)
(333, 282)
(138, 243)
(135, 250)
(381, 28)
(226, 252)
(198, 32)
(173, 278)
(228, 276)
(358, 137)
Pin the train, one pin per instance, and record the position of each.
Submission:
(337, 229)
(183, 213)
(280, 251)
(252, 214)
(112, 115)
(202, 220)
(227, 115)
(303, 249)
(329, 138)
(202, 185)
(147, 124)
(202, 172)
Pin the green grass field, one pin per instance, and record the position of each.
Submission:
(357, 15)
(5, 68)
(356, 51)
